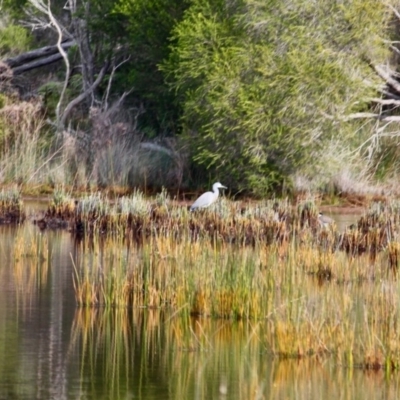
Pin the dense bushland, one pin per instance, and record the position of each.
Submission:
(261, 95)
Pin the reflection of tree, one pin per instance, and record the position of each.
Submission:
(36, 273)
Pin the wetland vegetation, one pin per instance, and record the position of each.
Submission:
(274, 99)
(305, 289)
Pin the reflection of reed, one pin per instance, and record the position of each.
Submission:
(144, 352)
(103, 337)
(30, 262)
(215, 358)
(125, 344)
(141, 349)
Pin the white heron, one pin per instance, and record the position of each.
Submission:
(207, 198)
(324, 220)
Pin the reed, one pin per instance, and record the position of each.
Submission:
(139, 218)
(11, 206)
(317, 292)
(313, 302)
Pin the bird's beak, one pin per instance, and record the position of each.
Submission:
(223, 187)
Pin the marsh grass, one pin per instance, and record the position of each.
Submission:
(311, 302)
(139, 218)
(23, 146)
(11, 206)
(316, 291)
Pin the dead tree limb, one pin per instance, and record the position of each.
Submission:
(66, 61)
(380, 117)
(34, 55)
(36, 64)
(83, 95)
(387, 75)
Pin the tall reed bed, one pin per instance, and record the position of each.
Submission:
(310, 302)
(23, 142)
(315, 290)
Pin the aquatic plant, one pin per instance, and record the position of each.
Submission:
(59, 212)
(11, 206)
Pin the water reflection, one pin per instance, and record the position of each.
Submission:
(344, 220)
(151, 355)
(52, 350)
(35, 291)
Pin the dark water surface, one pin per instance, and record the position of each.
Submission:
(50, 349)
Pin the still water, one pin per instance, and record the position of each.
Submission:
(50, 349)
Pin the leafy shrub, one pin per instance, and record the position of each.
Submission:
(265, 86)
(14, 39)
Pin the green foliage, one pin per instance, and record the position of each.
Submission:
(3, 100)
(14, 8)
(13, 40)
(265, 85)
(259, 90)
(149, 26)
(106, 20)
(51, 91)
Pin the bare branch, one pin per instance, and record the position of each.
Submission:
(36, 58)
(115, 67)
(388, 77)
(395, 12)
(395, 49)
(65, 57)
(117, 104)
(36, 64)
(39, 5)
(35, 22)
(364, 115)
(386, 102)
(80, 24)
(83, 95)
(35, 54)
(390, 95)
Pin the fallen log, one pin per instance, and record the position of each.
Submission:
(36, 64)
(36, 58)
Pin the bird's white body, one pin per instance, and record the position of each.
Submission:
(207, 198)
(324, 220)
